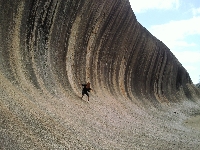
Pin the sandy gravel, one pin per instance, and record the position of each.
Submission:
(193, 122)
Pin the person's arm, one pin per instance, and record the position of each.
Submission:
(89, 89)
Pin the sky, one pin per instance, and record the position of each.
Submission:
(177, 24)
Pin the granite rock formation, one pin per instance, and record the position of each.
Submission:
(141, 92)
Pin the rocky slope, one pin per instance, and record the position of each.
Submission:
(141, 93)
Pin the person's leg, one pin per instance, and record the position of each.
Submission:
(87, 95)
(82, 94)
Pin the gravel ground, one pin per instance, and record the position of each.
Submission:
(40, 121)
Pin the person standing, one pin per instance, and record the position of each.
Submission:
(86, 89)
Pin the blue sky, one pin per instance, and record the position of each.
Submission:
(177, 24)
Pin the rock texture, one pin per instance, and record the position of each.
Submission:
(141, 93)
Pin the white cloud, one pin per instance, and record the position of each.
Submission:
(174, 33)
(190, 68)
(194, 72)
(188, 56)
(196, 11)
(191, 62)
(144, 5)
(179, 43)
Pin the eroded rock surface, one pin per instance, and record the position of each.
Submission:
(141, 93)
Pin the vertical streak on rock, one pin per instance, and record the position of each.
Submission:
(28, 55)
(15, 56)
(71, 52)
(160, 78)
(92, 39)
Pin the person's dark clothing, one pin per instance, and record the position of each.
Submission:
(85, 90)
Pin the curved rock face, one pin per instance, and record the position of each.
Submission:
(47, 48)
